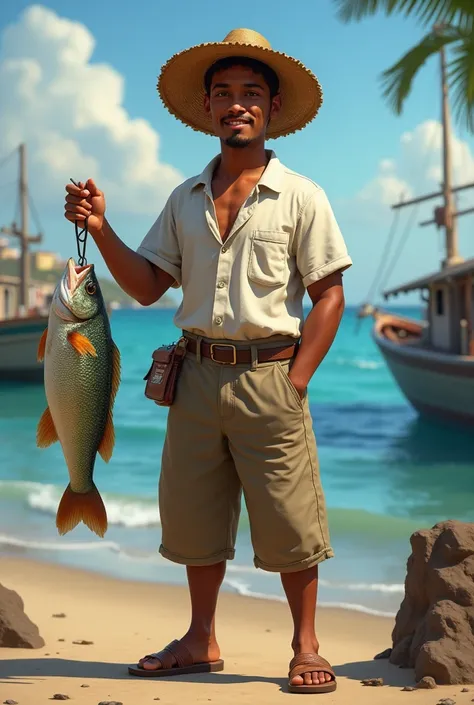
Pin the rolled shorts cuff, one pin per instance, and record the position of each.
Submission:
(226, 555)
(299, 565)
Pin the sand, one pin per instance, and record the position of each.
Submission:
(125, 620)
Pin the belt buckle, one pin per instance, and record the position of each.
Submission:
(223, 345)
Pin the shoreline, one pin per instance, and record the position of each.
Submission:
(125, 619)
(230, 586)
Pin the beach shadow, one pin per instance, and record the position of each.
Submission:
(381, 668)
(37, 669)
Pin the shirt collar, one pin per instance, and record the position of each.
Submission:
(272, 177)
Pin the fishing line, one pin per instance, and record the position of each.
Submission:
(81, 238)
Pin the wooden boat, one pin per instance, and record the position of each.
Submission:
(19, 339)
(432, 360)
(20, 328)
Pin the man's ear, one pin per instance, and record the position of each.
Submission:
(207, 104)
(275, 106)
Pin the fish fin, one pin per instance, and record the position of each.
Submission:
(42, 346)
(107, 443)
(116, 372)
(81, 344)
(46, 433)
(75, 507)
(108, 439)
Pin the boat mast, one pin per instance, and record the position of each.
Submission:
(25, 258)
(449, 216)
(22, 234)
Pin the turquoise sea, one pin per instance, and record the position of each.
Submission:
(385, 473)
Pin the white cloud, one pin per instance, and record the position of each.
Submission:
(70, 113)
(416, 170)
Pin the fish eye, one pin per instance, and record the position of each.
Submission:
(90, 288)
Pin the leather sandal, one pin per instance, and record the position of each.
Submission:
(175, 660)
(309, 663)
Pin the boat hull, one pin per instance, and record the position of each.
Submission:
(437, 385)
(19, 339)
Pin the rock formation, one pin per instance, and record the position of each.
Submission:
(16, 629)
(434, 628)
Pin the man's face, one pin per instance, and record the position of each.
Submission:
(240, 106)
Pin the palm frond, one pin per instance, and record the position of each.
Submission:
(429, 12)
(398, 79)
(461, 79)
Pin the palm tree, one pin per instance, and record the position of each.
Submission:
(451, 22)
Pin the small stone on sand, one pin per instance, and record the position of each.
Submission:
(372, 681)
(60, 615)
(83, 642)
(447, 701)
(383, 654)
(60, 696)
(110, 702)
(409, 688)
(465, 690)
(85, 686)
(61, 639)
(427, 682)
(10, 702)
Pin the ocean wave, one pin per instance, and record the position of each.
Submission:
(244, 589)
(142, 512)
(359, 364)
(14, 542)
(121, 511)
(359, 587)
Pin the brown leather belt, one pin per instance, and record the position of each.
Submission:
(229, 354)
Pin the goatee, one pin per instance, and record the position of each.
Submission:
(237, 141)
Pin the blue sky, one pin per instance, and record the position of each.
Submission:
(355, 149)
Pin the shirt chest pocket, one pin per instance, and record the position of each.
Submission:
(268, 262)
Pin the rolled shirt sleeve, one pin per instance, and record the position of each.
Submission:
(320, 247)
(160, 245)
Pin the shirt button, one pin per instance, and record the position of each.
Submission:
(224, 250)
(218, 320)
(221, 284)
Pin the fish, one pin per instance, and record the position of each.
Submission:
(82, 372)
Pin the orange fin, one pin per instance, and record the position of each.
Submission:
(75, 507)
(42, 346)
(116, 372)
(107, 443)
(46, 433)
(108, 439)
(81, 344)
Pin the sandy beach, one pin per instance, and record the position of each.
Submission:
(125, 620)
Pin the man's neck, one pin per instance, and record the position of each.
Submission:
(235, 162)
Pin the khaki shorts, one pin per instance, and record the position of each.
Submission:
(233, 428)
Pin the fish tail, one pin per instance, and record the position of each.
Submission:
(87, 507)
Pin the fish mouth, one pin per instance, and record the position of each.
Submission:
(75, 275)
(69, 283)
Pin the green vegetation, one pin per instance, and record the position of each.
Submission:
(450, 23)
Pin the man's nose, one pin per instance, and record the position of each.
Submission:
(236, 108)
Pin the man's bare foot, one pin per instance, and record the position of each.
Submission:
(312, 677)
(202, 650)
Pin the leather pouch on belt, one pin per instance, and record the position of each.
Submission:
(162, 377)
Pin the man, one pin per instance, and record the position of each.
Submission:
(244, 240)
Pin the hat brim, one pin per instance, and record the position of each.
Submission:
(181, 86)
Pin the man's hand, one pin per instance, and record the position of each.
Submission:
(85, 201)
(299, 384)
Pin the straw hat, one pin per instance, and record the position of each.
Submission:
(181, 82)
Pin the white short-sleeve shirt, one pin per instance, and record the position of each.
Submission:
(251, 286)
